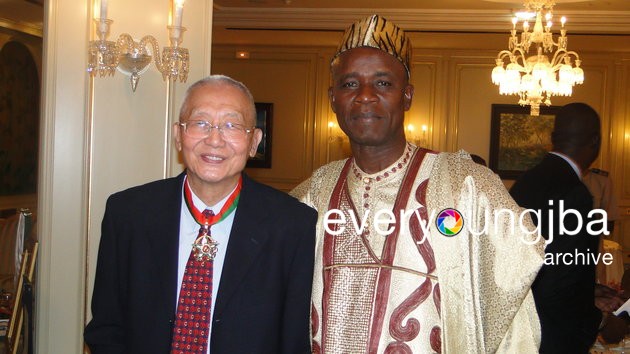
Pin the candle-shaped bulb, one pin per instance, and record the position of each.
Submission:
(424, 128)
(179, 10)
(410, 128)
(103, 13)
(563, 20)
(525, 26)
(514, 21)
(331, 125)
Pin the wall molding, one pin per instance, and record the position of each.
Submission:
(452, 20)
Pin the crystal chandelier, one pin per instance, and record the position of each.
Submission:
(133, 58)
(537, 77)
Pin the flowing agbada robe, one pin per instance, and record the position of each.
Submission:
(408, 292)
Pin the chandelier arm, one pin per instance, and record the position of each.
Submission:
(519, 53)
(560, 59)
(513, 55)
(556, 67)
(504, 53)
(157, 57)
(554, 43)
(125, 42)
(557, 57)
(577, 57)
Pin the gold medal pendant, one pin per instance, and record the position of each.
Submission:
(205, 247)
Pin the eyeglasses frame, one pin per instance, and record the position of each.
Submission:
(212, 126)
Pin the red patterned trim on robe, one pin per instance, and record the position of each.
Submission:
(405, 333)
(397, 348)
(314, 329)
(389, 251)
(437, 299)
(436, 339)
(408, 332)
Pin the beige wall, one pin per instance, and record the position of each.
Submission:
(98, 137)
(289, 78)
(453, 95)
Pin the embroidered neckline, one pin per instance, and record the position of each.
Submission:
(397, 166)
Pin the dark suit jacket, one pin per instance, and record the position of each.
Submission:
(564, 293)
(263, 303)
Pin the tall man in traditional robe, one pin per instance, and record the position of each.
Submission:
(390, 282)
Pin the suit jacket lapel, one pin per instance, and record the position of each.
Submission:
(247, 237)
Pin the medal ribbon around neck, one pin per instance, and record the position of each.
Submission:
(205, 247)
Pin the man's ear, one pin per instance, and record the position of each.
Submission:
(177, 135)
(256, 139)
(596, 140)
(408, 96)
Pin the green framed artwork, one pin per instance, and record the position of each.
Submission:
(518, 140)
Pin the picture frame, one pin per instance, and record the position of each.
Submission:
(518, 140)
(264, 121)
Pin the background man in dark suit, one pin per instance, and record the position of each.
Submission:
(151, 285)
(564, 293)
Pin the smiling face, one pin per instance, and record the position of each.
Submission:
(213, 163)
(370, 95)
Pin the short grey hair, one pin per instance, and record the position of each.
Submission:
(218, 80)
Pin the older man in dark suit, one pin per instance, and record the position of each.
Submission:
(564, 291)
(244, 286)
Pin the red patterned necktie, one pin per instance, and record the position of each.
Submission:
(192, 322)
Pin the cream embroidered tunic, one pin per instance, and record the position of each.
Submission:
(414, 293)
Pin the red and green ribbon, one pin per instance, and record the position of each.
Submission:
(227, 209)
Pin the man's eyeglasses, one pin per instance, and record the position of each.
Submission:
(201, 129)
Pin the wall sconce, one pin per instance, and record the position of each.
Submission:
(241, 54)
(334, 133)
(133, 58)
(419, 140)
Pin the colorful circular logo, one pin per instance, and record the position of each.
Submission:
(449, 222)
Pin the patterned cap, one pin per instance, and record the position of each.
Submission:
(376, 32)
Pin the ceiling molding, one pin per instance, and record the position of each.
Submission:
(24, 27)
(596, 22)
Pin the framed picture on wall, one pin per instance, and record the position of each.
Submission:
(264, 117)
(518, 140)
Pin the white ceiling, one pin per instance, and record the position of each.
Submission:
(584, 16)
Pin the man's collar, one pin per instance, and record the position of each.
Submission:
(572, 163)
